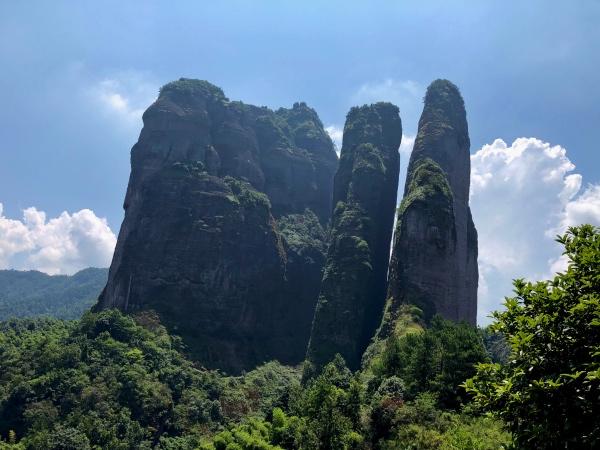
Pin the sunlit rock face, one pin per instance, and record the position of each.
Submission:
(434, 257)
(223, 233)
(354, 282)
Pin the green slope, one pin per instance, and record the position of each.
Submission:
(32, 293)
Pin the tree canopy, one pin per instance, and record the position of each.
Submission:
(548, 392)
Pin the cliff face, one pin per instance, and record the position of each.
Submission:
(223, 233)
(354, 281)
(434, 257)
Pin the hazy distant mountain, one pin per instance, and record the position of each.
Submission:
(33, 293)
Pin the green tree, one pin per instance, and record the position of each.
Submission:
(331, 403)
(254, 434)
(438, 360)
(549, 391)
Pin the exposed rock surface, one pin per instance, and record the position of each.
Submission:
(354, 281)
(223, 230)
(434, 257)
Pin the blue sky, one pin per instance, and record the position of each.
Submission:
(77, 75)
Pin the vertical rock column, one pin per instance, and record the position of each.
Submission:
(434, 258)
(364, 198)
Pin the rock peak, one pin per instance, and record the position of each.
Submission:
(434, 257)
(354, 282)
(443, 88)
(443, 136)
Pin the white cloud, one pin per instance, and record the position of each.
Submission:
(583, 209)
(406, 146)
(522, 195)
(64, 244)
(124, 96)
(336, 133)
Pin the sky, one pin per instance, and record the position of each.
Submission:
(77, 76)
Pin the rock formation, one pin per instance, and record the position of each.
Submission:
(354, 281)
(223, 231)
(434, 257)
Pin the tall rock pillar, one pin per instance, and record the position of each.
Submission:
(434, 258)
(364, 197)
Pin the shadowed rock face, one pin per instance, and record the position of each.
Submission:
(354, 282)
(223, 230)
(434, 257)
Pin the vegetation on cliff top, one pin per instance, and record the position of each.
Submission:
(444, 110)
(189, 87)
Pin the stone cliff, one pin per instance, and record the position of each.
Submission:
(224, 223)
(434, 257)
(354, 282)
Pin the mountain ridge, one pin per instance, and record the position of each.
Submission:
(31, 293)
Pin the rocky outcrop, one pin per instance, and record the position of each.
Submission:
(354, 281)
(223, 231)
(434, 257)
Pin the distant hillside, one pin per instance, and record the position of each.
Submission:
(32, 293)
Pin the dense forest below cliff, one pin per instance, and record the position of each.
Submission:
(113, 381)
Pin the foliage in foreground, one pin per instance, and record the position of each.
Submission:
(104, 381)
(549, 390)
(332, 413)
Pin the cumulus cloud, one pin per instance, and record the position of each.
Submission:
(583, 209)
(522, 195)
(61, 245)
